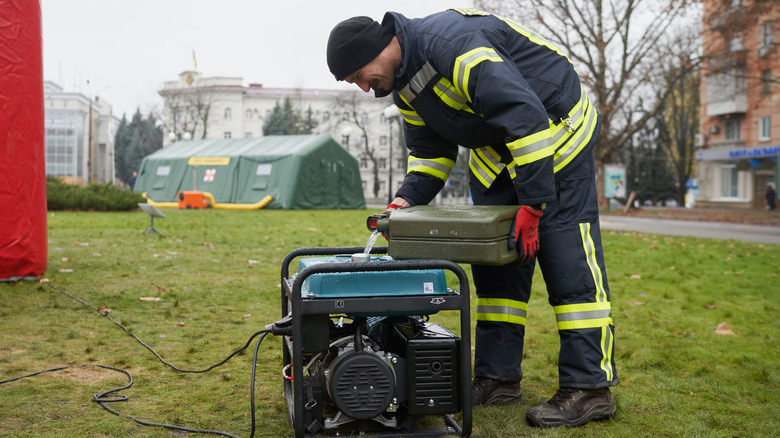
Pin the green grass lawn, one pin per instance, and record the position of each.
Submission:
(217, 276)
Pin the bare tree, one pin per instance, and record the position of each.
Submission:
(611, 45)
(186, 111)
(679, 84)
(351, 115)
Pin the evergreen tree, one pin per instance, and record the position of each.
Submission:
(133, 141)
(285, 120)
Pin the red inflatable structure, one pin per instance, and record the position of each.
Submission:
(23, 238)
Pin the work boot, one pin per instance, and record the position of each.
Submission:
(573, 407)
(487, 392)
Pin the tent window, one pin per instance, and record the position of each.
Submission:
(163, 170)
(263, 174)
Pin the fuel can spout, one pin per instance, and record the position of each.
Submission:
(378, 222)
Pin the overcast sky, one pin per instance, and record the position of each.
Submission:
(126, 49)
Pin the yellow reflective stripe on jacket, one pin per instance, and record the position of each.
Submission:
(437, 167)
(589, 247)
(450, 96)
(412, 117)
(531, 35)
(585, 315)
(512, 168)
(531, 148)
(583, 118)
(465, 62)
(485, 164)
(501, 310)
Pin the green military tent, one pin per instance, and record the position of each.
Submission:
(298, 171)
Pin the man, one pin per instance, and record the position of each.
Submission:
(466, 77)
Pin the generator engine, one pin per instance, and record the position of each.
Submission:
(380, 369)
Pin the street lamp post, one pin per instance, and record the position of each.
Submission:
(391, 115)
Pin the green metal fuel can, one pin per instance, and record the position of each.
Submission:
(478, 234)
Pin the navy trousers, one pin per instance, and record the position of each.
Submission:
(572, 263)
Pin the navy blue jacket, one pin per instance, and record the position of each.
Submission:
(487, 83)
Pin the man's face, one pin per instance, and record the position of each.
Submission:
(377, 74)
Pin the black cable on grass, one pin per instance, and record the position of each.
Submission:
(105, 315)
(110, 396)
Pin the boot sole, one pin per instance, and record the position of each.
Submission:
(571, 423)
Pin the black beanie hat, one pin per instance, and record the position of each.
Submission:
(353, 43)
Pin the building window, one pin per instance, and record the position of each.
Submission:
(766, 81)
(364, 163)
(732, 130)
(766, 34)
(383, 140)
(345, 116)
(728, 181)
(326, 116)
(364, 118)
(248, 115)
(382, 163)
(228, 114)
(364, 141)
(735, 43)
(382, 118)
(764, 132)
(345, 140)
(400, 164)
(228, 135)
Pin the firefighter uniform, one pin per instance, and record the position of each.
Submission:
(490, 84)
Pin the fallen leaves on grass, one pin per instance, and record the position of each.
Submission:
(724, 329)
(105, 310)
(67, 259)
(161, 289)
(636, 303)
(178, 324)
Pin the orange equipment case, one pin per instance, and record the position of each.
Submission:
(192, 199)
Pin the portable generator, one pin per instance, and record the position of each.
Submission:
(361, 357)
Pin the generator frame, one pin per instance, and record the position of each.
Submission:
(295, 305)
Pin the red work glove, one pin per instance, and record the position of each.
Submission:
(526, 223)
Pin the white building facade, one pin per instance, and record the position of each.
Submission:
(197, 107)
(79, 136)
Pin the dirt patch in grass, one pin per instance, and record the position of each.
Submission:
(87, 373)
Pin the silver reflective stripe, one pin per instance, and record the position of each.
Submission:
(579, 316)
(413, 118)
(530, 148)
(502, 310)
(430, 164)
(582, 136)
(450, 93)
(418, 82)
(475, 167)
(486, 153)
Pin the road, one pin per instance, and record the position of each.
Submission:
(707, 230)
